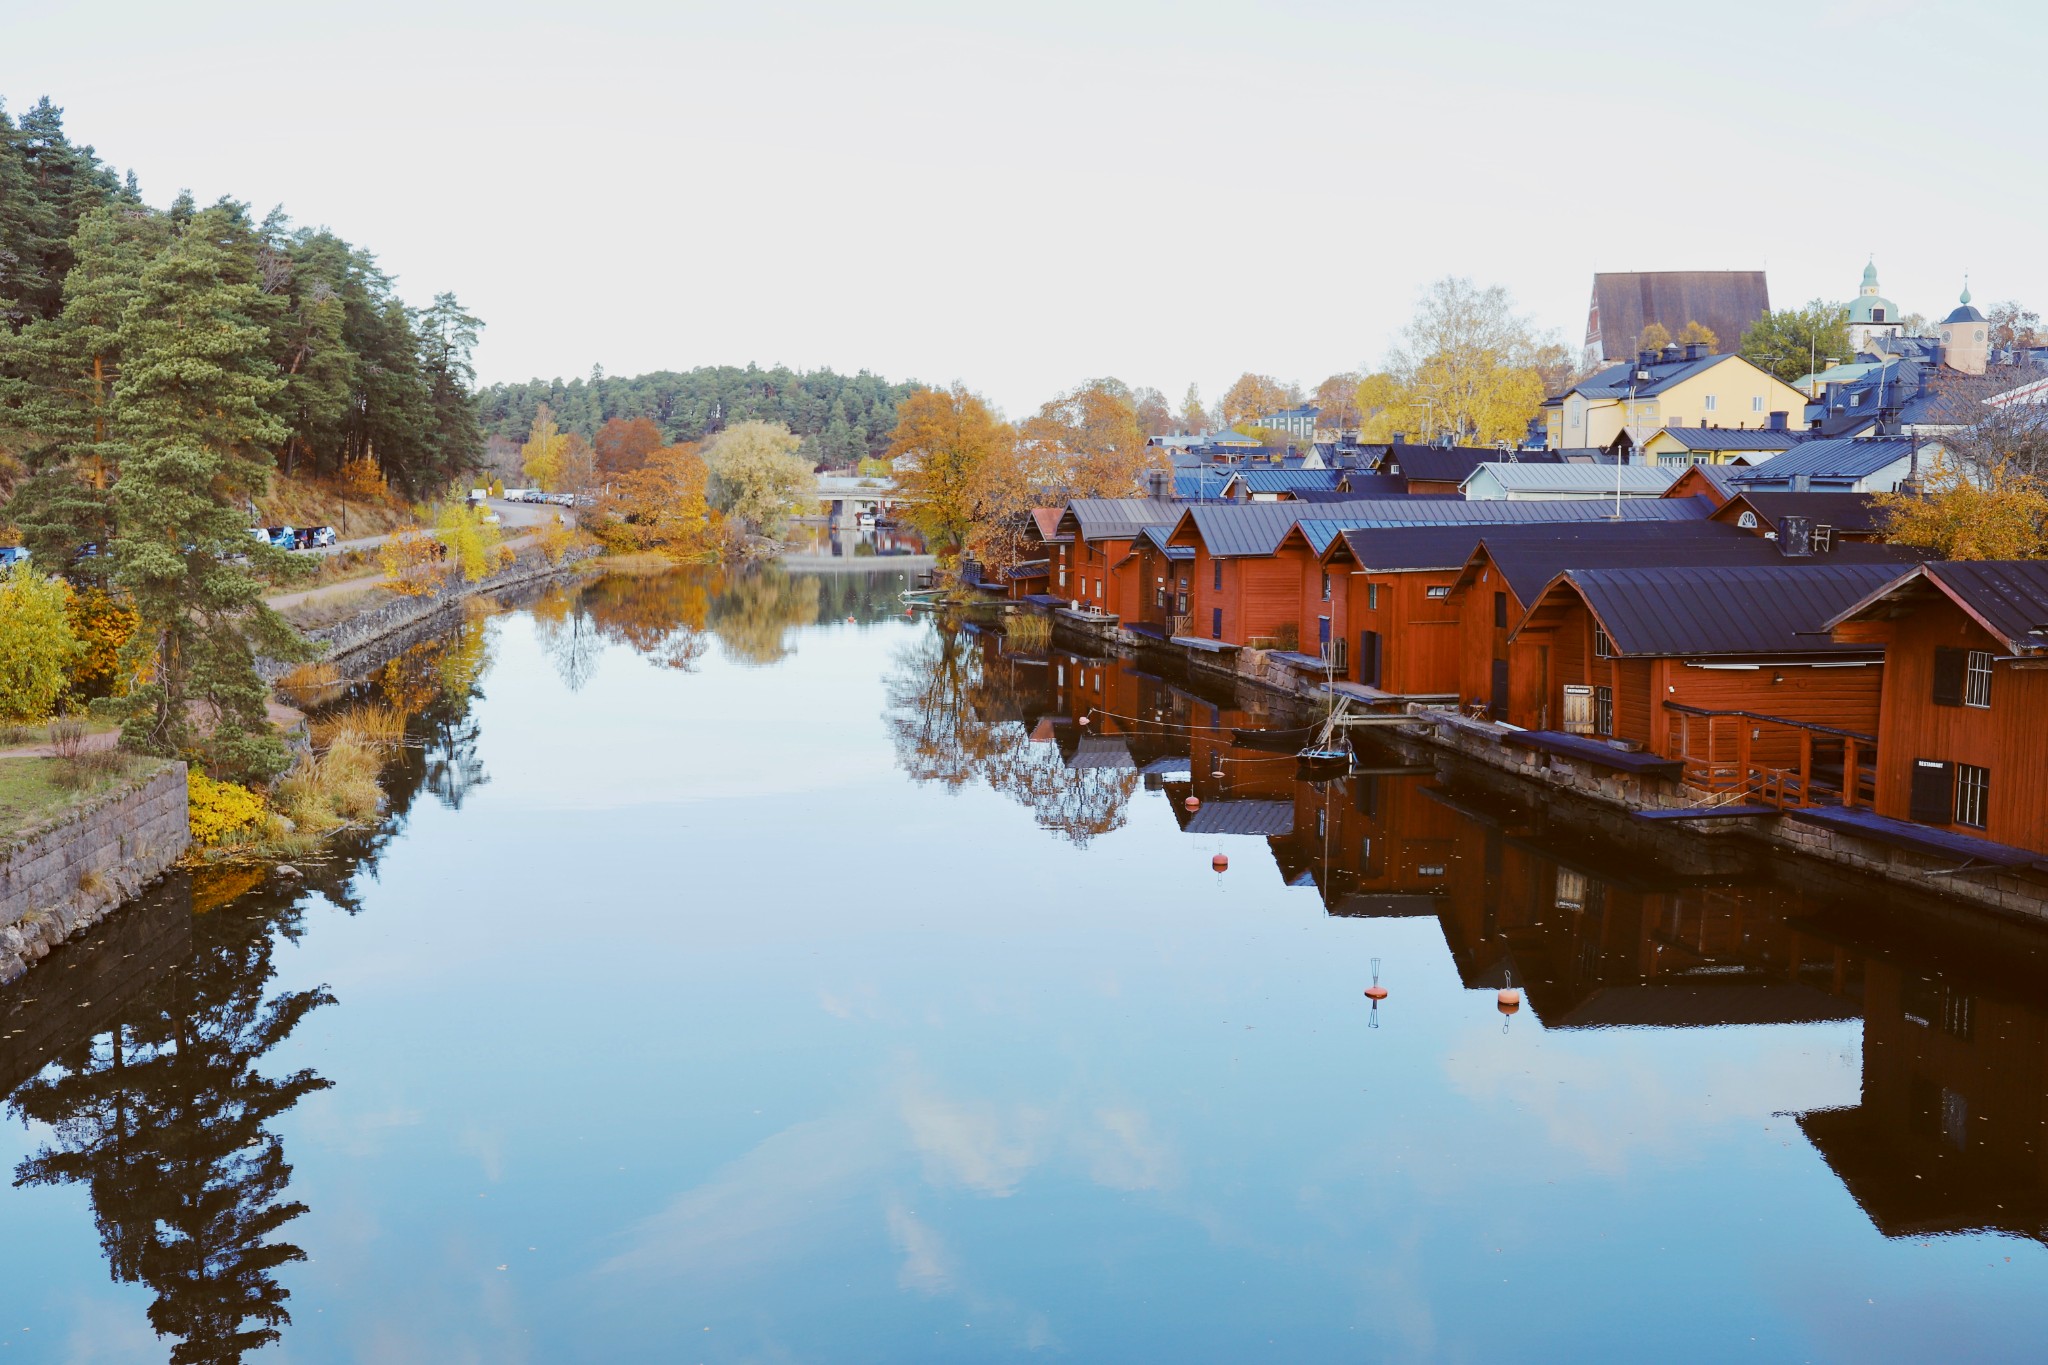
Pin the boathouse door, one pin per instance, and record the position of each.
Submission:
(1369, 657)
(1498, 706)
(1578, 709)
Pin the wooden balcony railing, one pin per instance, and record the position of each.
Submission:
(1745, 756)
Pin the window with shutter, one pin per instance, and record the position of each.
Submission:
(1950, 665)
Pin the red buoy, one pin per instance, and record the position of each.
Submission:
(1193, 803)
(1084, 720)
(1509, 999)
(1375, 991)
(1220, 863)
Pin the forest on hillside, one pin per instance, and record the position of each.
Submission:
(842, 419)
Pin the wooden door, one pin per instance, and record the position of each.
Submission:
(1578, 709)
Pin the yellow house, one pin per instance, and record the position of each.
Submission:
(1680, 446)
(1626, 404)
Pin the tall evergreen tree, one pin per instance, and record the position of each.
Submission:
(195, 399)
(447, 338)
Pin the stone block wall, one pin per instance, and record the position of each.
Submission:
(69, 872)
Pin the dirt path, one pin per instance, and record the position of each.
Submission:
(519, 516)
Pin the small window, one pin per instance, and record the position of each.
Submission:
(1372, 597)
(1326, 585)
(1855, 400)
(1500, 611)
(1603, 648)
(1218, 584)
(1877, 315)
(1973, 794)
(1712, 402)
(1603, 710)
(1322, 822)
(1441, 590)
(1747, 521)
(1756, 404)
(1338, 654)
(1977, 679)
(1216, 623)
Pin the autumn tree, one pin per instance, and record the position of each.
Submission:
(623, 445)
(1255, 395)
(474, 547)
(1798, 341)
(37, 646)
(1467, 365)
(1655, 337)
(412, 561)
(576, 472)
(757, 478)
(540, 459)
(960, 470)
(1193, 416)
(1155, 418)
(1337, 397)
(362, 480)
(1092, 437)
(1966, 513)
(1699, 334)
(663, 505)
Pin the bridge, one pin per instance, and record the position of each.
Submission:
(845, 497)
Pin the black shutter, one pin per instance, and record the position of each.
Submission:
(1500, 611)
(1934, 786)
(1216, 623)
(1949, 666)
(1497, 707)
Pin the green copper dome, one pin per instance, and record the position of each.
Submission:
(1870, 307)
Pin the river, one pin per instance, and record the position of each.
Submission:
(747, 971)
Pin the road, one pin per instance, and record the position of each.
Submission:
(518, 521)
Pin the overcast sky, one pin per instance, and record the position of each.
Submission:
(1021, 196)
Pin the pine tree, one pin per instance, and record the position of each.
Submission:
(195, 398)
(447, 337)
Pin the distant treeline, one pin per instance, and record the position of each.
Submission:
(841, 418)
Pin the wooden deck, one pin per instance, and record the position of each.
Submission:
(1589, 750)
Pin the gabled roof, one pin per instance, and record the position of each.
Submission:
(1842, 510)
(1117, 518)
(1364, 485)
(1779, 609)
(1588, 479)
(1446, 464)
(1729, 438)
(1193, 485)
(2008, 597)
(1530, 559)
(1047, 520)
(1286, 480)
(1689, 478)
(1156, 535)
(1613, 382)
(1257, 528)
(1847, 458)
(1724, 301)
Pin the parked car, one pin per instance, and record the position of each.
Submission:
(11, 555)
(323, 536)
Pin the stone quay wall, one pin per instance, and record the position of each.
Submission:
(69, 872)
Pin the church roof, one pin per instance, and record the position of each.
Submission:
(1724, 301)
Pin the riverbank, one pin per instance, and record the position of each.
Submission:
(1645, 793)
(75, 860)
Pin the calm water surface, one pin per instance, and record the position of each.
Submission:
(749, 973)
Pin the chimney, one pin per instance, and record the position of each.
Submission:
(1645, 359)
(1672, 353)
(1400, 438)
(1802, 483)
(1795, 541)
(1778, 420)
(1695, 350)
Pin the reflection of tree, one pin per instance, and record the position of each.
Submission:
(567, 637)
(949, 716)
(661, 617)
(754, 615)
(165, 1118)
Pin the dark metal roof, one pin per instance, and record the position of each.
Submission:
(1157, 536)
(1614, 381)
(1843, 511)
(1447, 464)
(1257, 528)
(1030, 568)
(1118, 518)
(1725, 301)
(1732, 438)
(2009, 595)
(1266, 818)
(1779, 609)
(1207, 482)
(1286, 480)
(1363, 485)
(1844, 459)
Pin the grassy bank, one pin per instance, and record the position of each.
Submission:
(34, 791)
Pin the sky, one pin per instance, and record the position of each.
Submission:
(1022, 197)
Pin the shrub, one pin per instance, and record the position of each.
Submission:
(337, 788)
(220, 810)
(374, 726)
(38, 647)
(412, 562)
(103, 624)
(1028, 630)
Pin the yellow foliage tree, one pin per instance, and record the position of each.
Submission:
(663, 505)
(1701, 334)
(474, 546)
(412, 561)
(1964, 513)
(960, 470)
(362, 480)
(757, 478)
(1468, 365)
(103, 624)
(541, 456)
(1255, 395)
(1655, 337)
(38, 648)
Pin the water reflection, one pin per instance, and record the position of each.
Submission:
(151, 1057)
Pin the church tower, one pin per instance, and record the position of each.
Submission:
(1966, 337)
(1872, 314)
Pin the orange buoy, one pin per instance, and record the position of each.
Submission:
(1193, 803)
(1084, 720)
(1509, 999)
(1375, 991)
(1220, 863)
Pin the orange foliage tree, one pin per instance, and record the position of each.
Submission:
(1255, 395)
(623, 445)
(362, 480)
(103, 623)
(959, 469)
(664, 505)
(1093, 437)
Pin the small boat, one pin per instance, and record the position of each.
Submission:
(1276, 741)
(1317, 765)
(920, 594)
